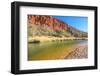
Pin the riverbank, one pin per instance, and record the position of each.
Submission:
(38, 39)
(79, 52)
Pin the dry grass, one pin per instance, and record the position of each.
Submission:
(51, 38)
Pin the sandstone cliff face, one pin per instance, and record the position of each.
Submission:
(47, 21)
(48, 25)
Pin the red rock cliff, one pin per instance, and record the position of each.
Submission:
(48, 21)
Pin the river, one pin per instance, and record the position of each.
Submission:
(53, 50)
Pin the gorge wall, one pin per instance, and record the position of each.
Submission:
(48, 21)
(48, 25)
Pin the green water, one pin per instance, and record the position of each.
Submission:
(51, 50)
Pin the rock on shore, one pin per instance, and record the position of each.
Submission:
(79, 53)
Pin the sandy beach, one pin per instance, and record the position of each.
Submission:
(79, 52)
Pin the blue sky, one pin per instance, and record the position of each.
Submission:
(79, 22)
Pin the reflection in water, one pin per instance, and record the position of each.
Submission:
(52, 50)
